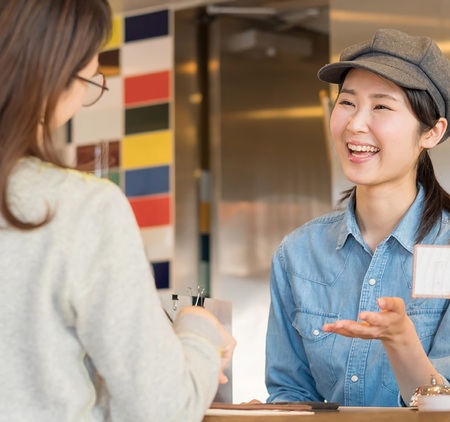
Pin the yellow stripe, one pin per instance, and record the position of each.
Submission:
(205, 224)
(147, 149)
(116, 35)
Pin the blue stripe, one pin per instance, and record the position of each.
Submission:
(146, 26)
(161, 271)
(148, 181)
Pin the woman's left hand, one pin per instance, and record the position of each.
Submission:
(395, 329)
(384, 325)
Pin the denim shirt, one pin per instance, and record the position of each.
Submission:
(324, 271)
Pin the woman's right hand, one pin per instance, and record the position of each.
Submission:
(228, 342)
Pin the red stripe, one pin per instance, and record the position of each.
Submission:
(147, 88)
(151, 211)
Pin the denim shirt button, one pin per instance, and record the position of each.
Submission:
(372, 281)
(354, 378)
(316, 332)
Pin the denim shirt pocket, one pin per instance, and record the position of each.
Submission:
(426, 323)
(389, 380)
(318, 345)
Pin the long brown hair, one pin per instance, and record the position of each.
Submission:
(43, 45)
(437, 199)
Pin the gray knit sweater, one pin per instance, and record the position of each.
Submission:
(82, 333)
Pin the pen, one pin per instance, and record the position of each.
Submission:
(168, 316)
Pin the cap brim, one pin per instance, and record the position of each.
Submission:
(388, 67)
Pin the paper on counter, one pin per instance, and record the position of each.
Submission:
(262, 412)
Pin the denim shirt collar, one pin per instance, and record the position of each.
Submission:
(405, 232)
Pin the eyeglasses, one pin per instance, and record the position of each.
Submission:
(96, 88)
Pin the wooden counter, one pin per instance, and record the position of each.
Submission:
(343, 415)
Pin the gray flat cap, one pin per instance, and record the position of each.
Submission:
(408, 61)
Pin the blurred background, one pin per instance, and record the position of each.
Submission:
(215, 127)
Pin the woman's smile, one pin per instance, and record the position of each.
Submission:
(361, 151)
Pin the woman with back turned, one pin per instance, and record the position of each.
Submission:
(83, 336)
(343, 326)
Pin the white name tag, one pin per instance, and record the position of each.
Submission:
(431, 273)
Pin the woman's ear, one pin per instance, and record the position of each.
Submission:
(435, 134)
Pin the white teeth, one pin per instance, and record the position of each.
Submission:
(363, 148)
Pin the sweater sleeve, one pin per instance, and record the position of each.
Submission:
(152, 371)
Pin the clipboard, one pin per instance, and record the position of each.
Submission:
(306, 406)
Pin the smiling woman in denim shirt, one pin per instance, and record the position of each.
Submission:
(343, 326)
